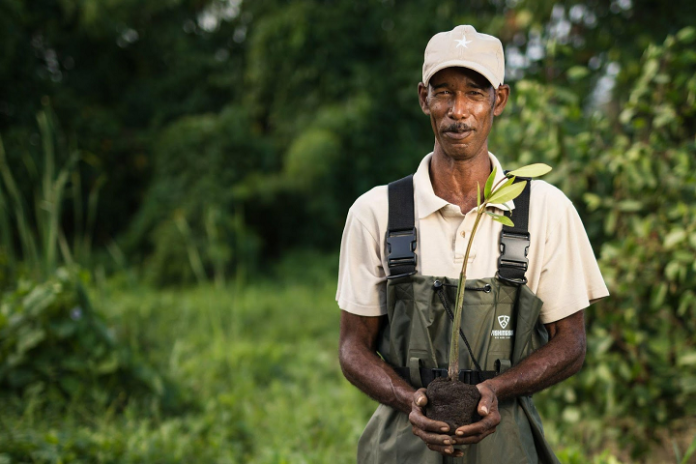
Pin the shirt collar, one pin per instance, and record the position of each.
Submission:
(426, 200)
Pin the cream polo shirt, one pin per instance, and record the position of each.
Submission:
(562, 270)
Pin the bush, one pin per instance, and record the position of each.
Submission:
(53, 342)
(191, 223)
(640, 189)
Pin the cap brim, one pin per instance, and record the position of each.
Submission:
(485, 72)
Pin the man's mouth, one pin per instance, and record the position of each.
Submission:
(458, 131)
(458, 134)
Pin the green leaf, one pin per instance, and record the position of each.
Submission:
(40, 298)
(688, 359)
(689, 452)
(507, 193)
(571, 414)
(501, 219)
(675, 237)
(686, 35)
(29, 339)
(592, 200)
(109, 365)
(630, 206)
(489, 183)
(531, 170)
(577, 72)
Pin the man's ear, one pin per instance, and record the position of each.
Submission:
(501, 97)
(423, 98)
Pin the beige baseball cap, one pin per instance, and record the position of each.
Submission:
(463, 47)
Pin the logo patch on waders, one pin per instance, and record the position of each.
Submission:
(502, 334)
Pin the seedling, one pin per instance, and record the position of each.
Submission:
(503, 191)
(450, 400)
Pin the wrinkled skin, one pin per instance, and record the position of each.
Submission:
(461, 105)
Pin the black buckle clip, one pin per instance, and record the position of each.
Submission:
(401, 245)
(513, 255)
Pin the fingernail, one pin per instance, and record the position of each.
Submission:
(460, 433)
(448, 451)
(447, 442)
(485, 410)
(444, 429)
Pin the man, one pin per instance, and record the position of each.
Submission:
(394, 333)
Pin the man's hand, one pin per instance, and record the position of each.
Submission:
(435, 434)
(490, 418)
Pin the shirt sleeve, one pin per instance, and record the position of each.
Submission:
(361, 276)
(570, 279)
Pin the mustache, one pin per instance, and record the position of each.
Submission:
(458, 127)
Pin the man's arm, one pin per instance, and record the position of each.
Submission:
(367, 371)
(560, 358)
(364, 368)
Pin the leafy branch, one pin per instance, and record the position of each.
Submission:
(501, 192)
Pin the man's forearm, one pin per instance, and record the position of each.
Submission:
(559, 359)
(364, 369)
(376, 378)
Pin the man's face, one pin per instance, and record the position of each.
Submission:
(461, 104)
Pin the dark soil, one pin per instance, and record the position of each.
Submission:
(453, 402)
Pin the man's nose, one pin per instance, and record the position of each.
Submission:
(459, 108)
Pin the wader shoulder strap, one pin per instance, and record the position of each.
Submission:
(401, 231)
(514, 241)
(402, 237)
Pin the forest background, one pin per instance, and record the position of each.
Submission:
(174, 179)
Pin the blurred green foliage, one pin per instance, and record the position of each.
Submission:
(202, 141)
(258, 373)
(286, 111)
(637, 187)
(257, 369)
(53, 344)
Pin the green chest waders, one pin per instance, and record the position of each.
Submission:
(500, 320)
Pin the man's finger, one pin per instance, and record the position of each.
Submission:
(435, 439)
(423, 423)
(443, 444)
(420, 398)
(446, 450)
(486, 403)
(484, 425)
(473, 439)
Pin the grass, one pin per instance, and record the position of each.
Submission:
(253, 378)
(256, 373)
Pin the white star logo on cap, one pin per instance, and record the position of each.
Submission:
(463, 42)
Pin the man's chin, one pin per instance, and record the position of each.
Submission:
(460, 151)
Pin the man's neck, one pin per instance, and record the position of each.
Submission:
(456, 180)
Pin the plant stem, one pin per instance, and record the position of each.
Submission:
(453, 371)
(507, 193)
